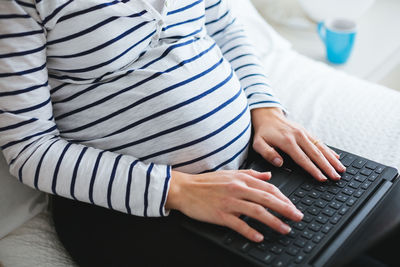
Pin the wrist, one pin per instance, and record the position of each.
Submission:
(259, 116)
(174, 199)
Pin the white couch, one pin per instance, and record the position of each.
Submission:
(342, 110)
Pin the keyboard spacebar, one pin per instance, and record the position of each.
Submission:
(321, 261)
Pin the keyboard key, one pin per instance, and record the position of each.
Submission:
(313, 211)
(307, 234)
(359, 163)
(314, 227)
(333, 190)
(343, 210)
(341, 183)
(371, 165)
(299, 259)
(292, 233)
(307, 201)
(229, 239)
(351, 201)
(347, 160)
(245, 247)
(335, 219)
(321, 188)
(300, 193)
(335, 205)
(354, 184)
(262, 256)
(379, 169)
(262, 246)
(358, 193)
(351, 170)
(365, 185)
(307, 187)
(326, 228)
(276, 249)
(322, 219)
(328, 212)
(314, 194)
(294, 199)
(327, 196)
(292, 251)
(366, 172)
(300, 243)
(307, 218)
(360, 178)
(318, 237)
(284, 241)
(321, 203)
(348, 191)
(299, 225)
(281, 262)
(346, 177)
(373, 177)
(309, 247)
(342, 198)
(301, 207)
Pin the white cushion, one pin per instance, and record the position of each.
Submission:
(18, 203)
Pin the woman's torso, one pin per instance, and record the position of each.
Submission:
(127, 79)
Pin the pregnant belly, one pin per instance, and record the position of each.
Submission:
(186, 111)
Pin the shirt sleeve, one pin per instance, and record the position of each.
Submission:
(30, 140)
(230, 36)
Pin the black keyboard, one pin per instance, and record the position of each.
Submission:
(326, 207)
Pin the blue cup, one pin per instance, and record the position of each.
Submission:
(338, 36)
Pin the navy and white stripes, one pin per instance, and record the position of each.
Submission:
(100, 99)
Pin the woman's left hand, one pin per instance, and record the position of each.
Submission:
(273, 129)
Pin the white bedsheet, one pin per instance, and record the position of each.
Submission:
(341, 110)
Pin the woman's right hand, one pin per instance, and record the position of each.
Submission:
(221, 197)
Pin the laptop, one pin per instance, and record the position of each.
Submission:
(341, 219)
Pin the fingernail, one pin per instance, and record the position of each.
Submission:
(259, 237)
(335, 174)
(285, 228)
(322, 177)
(343, 168)
(299, 214)
(277, 162)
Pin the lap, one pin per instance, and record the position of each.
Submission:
(96, 236)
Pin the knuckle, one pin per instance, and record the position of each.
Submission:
(298, 132)
(234, 186)
(257, 143)
(259, 210)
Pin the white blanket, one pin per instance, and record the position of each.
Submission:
(341, 110)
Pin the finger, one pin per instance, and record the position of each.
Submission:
(334, 153)
(267, 152)
(270, 201)
(330, 154)
(317, 157)
(298, 155)
(265, 176)
(333, 160)
(243, 228)
(259, 213)
(268, 188)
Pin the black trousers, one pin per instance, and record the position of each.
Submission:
(96, 236)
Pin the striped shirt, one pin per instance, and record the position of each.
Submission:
(100, 99)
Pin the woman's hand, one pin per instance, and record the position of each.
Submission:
(272, 129)
(221, 197)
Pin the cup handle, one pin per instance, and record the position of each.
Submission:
(321, 31)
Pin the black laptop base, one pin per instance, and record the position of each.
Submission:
(340, 218)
